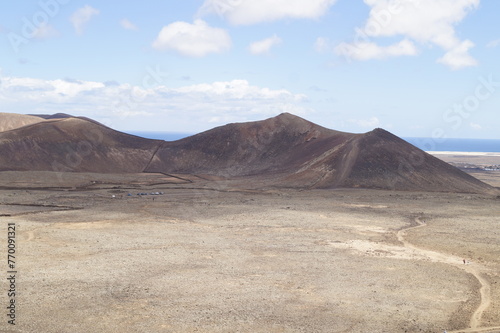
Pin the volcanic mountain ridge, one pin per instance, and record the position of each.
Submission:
(291, 151)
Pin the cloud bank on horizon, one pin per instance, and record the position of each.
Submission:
(398, 64)
(214, 103)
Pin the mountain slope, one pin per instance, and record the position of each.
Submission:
(10, 121)
(73, 144)
(385, 161)
(302, 154)
(270, 146)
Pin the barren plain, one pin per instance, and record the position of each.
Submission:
(213, 255)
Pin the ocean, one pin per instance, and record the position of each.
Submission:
(465, 145)
(427, 144)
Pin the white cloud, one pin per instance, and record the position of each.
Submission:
(127, 25)
(476, 127)
(493, 43)
(193, 40)
(246, 12)
(159, 108)
(81, 17)
(424, 21)
(459, 56)
(264, 46)
(370, 50)
(45, 31)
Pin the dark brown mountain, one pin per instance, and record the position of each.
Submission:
(276, 145)
(73, 145)
(302, 154)
(289, 150)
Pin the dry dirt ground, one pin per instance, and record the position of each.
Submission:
(208, 256)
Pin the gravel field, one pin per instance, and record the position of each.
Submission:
(215, 256)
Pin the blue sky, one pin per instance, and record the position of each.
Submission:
(422, 68)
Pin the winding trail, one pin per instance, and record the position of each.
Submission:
(471, 268)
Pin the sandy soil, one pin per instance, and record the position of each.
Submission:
(210, 256)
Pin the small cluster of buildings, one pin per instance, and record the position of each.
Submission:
(492, 168)
(145, 193)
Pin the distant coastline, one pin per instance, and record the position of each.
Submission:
(427, 144)
(456, 145)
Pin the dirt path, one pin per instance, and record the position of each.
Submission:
(474, 269)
